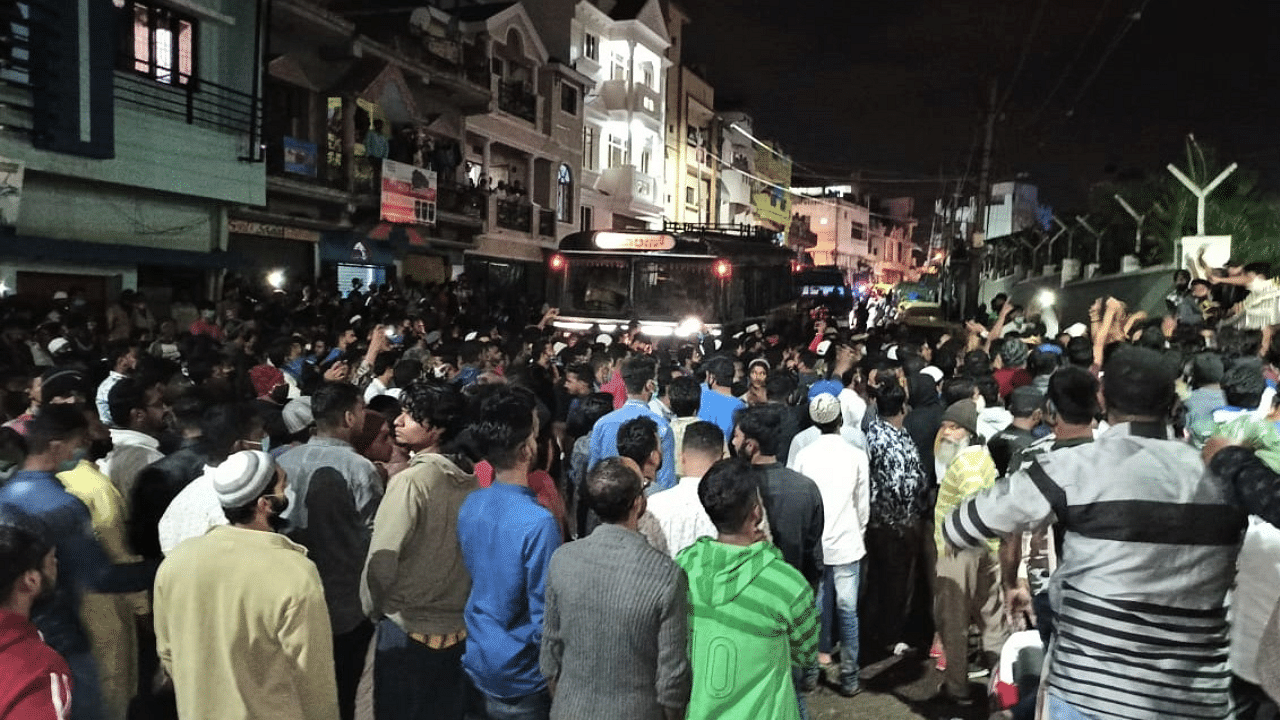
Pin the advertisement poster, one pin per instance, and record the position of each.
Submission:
(300, 157)
(408, 194)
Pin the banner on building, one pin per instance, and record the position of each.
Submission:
(770, 196)
(408, 194)
(300, 157)
(11, 172)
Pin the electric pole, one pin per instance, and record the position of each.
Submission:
(979, 230)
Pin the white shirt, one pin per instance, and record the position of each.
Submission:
(103, 395)
(991, 421)
(803, 439)
(376, 388)
(843, 476)
(680, 514)
(192, 513)
(1254, 598)
(852, 407)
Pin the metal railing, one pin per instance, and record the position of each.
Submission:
(515, 99)
(515, 215)
(199, 102)
(461, 200)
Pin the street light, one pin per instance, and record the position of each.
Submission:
(275, 279)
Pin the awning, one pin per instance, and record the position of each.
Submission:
(83, 252)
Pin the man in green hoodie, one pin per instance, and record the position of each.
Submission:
(752, 614)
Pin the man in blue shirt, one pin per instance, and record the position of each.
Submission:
(718, 403)
(507, 541)
(56, 441)
(638, 374)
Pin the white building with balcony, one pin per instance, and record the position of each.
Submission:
(622, 47)
(842, 225)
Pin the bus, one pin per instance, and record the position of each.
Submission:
(823, 285)
(682, 281)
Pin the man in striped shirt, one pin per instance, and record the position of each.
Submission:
(1149, 554)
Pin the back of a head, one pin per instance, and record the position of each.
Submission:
(637, 372)
(685, 396)
(637, 439)
(729, 492)
(505, 424)
(1243, 384)
(988, 388)
(611, 488)
(221, 426)
(385, 360)
(780, 387)
(188, 409)
(1042, 362)
(1080, 352)
(721, 368)
(127, 395)
(763, 424)
(55, 422)
(1073, 394)
(1206, 369)
(957, 388)
(703, 438)
(23, 546)
(891, 398)
(331, 402)
(976, 362)
(435, 403)
(1139, 381)
(1262, 269)
(406, 371)
(589, 412)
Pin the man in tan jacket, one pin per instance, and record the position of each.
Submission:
(241, 622)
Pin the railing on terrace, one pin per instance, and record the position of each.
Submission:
(515, 99)
(200, 102)
(515, 215)
(461, 200)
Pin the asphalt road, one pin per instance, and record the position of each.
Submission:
(896, 689)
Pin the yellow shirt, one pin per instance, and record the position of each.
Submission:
(970, 473)
(106, 508)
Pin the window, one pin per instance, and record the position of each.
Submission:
(591, 46)
(564, 194)
(585, 214)
(589, 153)
(689, 197)
(617, 151)
(157, 42)
(646, 75)
(619, 68)
(645, 156)
(569, 99)
(648, 104)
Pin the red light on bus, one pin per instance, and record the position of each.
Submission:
(723, 269)
(557, 262)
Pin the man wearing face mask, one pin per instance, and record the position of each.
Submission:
(37, 680)
(241, 622)
(56, 443)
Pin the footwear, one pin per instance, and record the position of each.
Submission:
(939, 657)
(901, 649)
(809, 681)
(849, 691)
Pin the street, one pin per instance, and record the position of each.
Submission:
(895, 688)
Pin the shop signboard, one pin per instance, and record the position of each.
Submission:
(408, 194)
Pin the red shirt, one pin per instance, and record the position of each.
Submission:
(200, 327)
(37, 681)
(539, 482)
(1010, 379)
(617, 389)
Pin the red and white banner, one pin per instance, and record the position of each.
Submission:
(408, 194)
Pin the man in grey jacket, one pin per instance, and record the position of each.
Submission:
(615, 637)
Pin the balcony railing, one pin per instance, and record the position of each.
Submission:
(547, 223)
(200, 102)
(515, 99)
(515, 215)
(461, 200)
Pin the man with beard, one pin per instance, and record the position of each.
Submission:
(415, 584)
(968, 585)
(241, 622)
(37, 681)
(140, 411)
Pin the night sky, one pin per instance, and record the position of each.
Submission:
(898, 88)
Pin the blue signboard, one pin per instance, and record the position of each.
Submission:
(299, 157)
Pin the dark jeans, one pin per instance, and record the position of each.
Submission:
(891, 565)
(349, 650)
(410, 680)
(86, 692)
(530, 707)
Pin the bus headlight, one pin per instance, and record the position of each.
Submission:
(689, 327)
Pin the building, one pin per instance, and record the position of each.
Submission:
(527, 150)
(893, 252)
(343, 96)
(622, 48)
(842, 226)
(691, 130)
(120, 159)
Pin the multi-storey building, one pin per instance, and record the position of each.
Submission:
(621, 47)
(121, 149)
(691, 130)
(842, 226)
(890, 241)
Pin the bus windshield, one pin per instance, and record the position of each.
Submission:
(664, 289)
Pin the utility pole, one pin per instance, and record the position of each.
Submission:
(1201, 192)
(1139, 219)
(1097, 239)
(979, 230)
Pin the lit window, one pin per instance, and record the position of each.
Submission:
(648, 104)
(644, 160)
(589, 156)
(617, 151)
(591, 46)
(619, 68)
(646, 75)
(157, 42)
(564, 194)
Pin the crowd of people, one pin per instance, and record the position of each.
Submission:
(402, 504)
